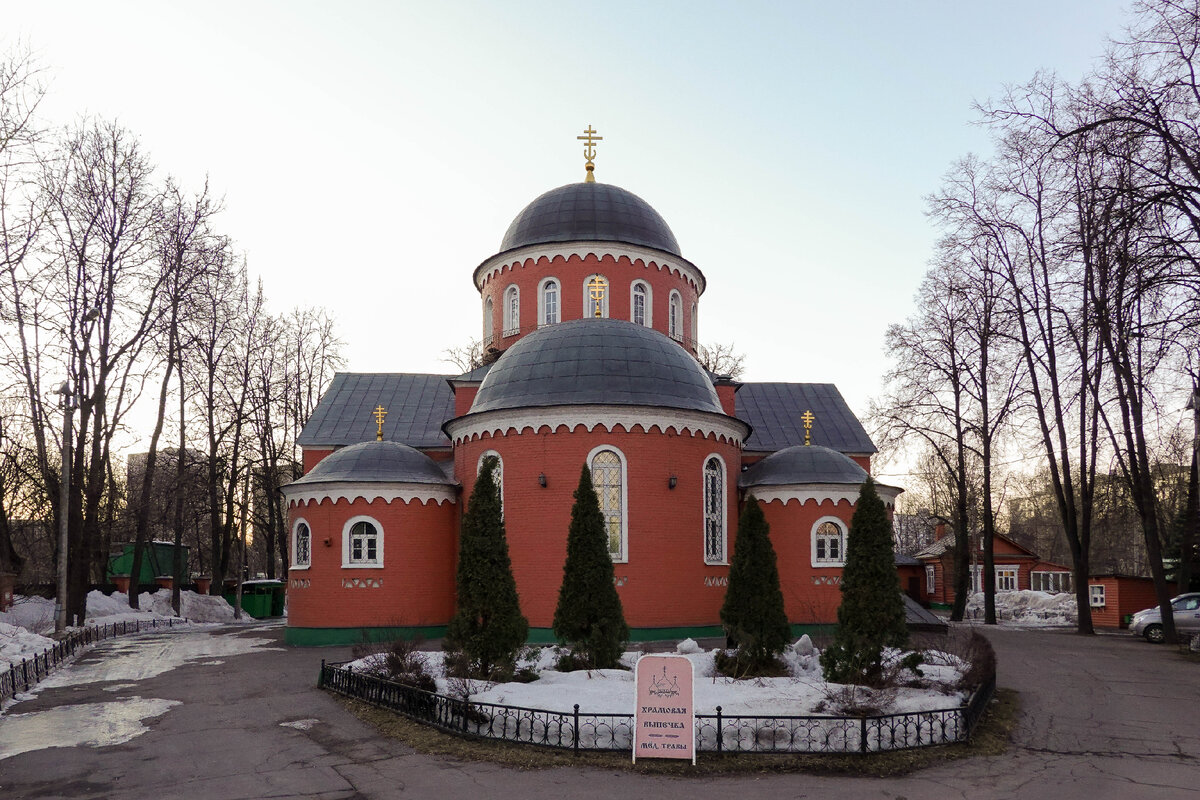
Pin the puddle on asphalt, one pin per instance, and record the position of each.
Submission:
(91, 724)
(139, 657)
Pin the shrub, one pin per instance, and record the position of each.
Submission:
(753, 613)
(871, 615)
(589, 618)
(487, 628)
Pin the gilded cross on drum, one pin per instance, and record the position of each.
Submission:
(597, 287)
(589, 152)
(808, 418)
(380, 412)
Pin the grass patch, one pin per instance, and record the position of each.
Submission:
(991, 738)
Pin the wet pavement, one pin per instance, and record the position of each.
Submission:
(237, 715)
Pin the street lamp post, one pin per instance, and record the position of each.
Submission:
(64, 507)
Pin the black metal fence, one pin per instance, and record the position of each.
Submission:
(21, 677)
(717, 733)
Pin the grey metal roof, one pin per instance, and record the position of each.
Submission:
(596, 361)
(801, 464)
(907, 561)
(919, 618)
(590, 212)
(475, 375)
(376, 462)
(417, 405)
(774, 410)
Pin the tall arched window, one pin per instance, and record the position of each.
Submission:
(695, 327)
(487, 321)
(595, 293)
(639, 303)
(548, 302)
(829, 543)
(714, 511)
(608, 479)
(675, 316)
(512, 310)
(497, 474)
(362, 543)
(301, 546)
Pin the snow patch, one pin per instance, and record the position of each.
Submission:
(300, 724)
(1029, 609)
(91, 724)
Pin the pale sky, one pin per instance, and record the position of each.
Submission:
(372, 154)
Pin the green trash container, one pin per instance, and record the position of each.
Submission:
(278, 599)
(258, 598)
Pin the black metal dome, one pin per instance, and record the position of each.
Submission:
(590, 212)
(376, 462)
(596, 362)
(803, 464)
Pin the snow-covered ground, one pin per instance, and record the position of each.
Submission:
(1028, 608)
(803, 692)
(22, 627)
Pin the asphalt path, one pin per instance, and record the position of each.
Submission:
(1102, 717)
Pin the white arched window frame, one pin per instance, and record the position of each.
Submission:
(497, 474)
(640, 304)
(715, 496)
(549, 292)
(589, 305)
(487, 321)
(362, 543)
(675, 316)
(610, 479)
(828, 542)
(301, 544)
(512, 310)
(695, 326)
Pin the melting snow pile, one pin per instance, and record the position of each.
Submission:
(803, 692)
(1028, 608)
(36, 614)
(17, 643)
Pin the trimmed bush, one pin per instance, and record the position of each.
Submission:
(588, 618)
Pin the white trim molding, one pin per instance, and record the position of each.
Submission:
(722, 514)
(609, 417)
(843, 535)
(612, 448)
(303, 494)
(295, 536)
(649, 257)
(375, 563)
(820, 492)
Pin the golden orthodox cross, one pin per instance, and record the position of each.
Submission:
(589, 153)
(380, 412)
(596, 290)
(808, 418)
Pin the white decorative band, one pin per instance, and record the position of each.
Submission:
(362, 583)
(299, 583)
(405, 492)
(652, 259)
(696, 423)
(803, 492)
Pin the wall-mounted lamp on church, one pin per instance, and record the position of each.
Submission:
(542, 479)
(671, 481)
(328, 542)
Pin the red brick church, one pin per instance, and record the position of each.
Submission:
(593, 313)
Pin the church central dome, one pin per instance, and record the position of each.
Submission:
(590, 212)
(596, 362)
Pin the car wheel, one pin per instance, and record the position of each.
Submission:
(1154, 633)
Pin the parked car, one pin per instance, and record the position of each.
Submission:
(1186, 610)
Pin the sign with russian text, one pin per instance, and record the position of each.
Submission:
(664, 720)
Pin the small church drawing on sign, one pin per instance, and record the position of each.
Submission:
(590, 314)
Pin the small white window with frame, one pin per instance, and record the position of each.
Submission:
(640, 304)
(362, 543)
(675, 316)
(976, 578)
(1096, 594)
(301, 545)
(1006, 579)
(1052, 582)
(512, 310)
(548, 302)
(930, 579)
(829, 543)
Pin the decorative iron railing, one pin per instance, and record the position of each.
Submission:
(21, 677)
(717, 733)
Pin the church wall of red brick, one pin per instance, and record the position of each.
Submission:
(810, 594)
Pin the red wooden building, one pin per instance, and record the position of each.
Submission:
(1016, 568)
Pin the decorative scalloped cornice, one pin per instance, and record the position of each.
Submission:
(649, 257)
(405, 492)
(819, 492)
(698, 423)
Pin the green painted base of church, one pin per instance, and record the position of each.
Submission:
(329, 637)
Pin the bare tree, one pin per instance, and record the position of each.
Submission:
(722, 359)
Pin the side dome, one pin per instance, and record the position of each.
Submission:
(375, 462)
(596, 362)
(803, 464)
(590, 212)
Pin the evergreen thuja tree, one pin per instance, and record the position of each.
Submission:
(589, 618)
(753, 614)
(487, 628)
(871, 616)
